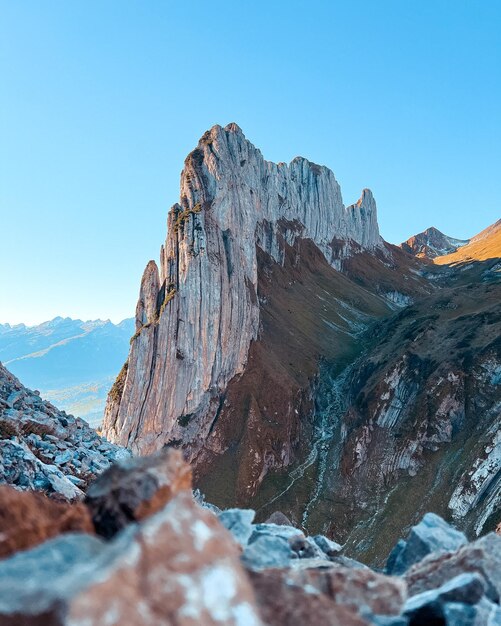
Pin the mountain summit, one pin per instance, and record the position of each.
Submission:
(200, 311)
(305, 365)
(432, 243)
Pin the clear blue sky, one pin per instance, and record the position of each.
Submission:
(101, 100)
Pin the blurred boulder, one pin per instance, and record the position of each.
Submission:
(135, 488)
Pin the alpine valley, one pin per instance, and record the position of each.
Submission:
(304, 365)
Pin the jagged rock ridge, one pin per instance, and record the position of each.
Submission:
(199, 312)
(259, 356)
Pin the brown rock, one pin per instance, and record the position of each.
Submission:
(482, 556)
(134, 489)
(326, 595)
(283, 601)
(179, 567)
(29, 518)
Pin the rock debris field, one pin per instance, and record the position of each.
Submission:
(142, 549)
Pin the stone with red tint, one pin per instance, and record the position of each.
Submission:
(135, 488)
(327, 594)
(482, 557)
(179, 567)
(28, 518)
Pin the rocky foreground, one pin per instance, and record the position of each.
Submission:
(43, 448)
(142, 550)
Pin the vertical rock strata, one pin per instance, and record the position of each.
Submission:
(198, 312)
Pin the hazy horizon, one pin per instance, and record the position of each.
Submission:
(64, 317)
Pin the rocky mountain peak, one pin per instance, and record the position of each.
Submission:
(197, 316)
(432, 243)
(146, 309)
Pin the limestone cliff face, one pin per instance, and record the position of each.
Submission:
(198, 312)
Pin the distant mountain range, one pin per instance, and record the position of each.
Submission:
(71, 362)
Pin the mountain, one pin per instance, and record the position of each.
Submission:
(71, 362)
(432, 243)
(486, 245)
(304, 364)
(444, 250)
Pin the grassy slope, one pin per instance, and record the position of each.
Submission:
(486, 245)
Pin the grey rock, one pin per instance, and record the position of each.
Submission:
(63, 458)
(20, 468)
(432, 534)
(267, 551)
(482, 557)
(458, 614)
(75, 480)
(275, 530)
(345, 561)
(37, 578)
(305, 548)
(385, 620)
(465, 589)
(328, 547)
(239, 523)
(487, 613)
(211, 507)
(279, 518)
(40, 447)
(311, 563)
(393, 558)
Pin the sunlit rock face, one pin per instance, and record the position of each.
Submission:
(199, 311)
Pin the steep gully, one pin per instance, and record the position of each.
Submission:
(330, 405)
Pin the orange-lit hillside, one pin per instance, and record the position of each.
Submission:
(486, 245)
